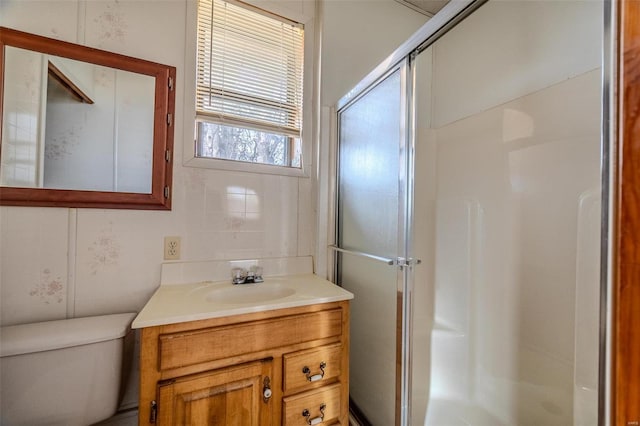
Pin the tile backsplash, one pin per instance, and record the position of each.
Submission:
(220, 270)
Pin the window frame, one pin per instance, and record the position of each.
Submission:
(305, 17)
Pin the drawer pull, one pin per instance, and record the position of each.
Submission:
(315, 420)
(314, 378)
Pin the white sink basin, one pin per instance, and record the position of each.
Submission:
(249, 293)
(177, 303)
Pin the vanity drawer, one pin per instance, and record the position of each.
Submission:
(311, 366)
(192, 347)
(310, 403)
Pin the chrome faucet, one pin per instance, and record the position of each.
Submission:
(247, 276)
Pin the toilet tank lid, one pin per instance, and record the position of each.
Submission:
(50, 335)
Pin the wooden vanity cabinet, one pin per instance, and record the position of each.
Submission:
(280, 367)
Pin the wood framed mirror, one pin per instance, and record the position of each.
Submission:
(83, 127)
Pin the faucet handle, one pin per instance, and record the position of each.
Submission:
(243, 276)
(256, 271)
(238, 275)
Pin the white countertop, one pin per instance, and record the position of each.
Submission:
(177, 303)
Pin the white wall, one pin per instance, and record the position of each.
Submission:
(357, 35)
(478, 67)
(114, 256)
(58, 263)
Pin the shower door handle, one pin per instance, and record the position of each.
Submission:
(408, 262)
(400, 261)
(386, 260)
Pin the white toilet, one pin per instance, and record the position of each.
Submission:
(65, 372)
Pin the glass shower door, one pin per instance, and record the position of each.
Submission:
(370, 239)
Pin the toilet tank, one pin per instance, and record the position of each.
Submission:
(64, 372)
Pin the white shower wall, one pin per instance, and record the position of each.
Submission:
(507, 217)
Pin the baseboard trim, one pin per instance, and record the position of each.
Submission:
(356, 416)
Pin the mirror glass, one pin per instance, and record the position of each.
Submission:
(83, 127)
(74, 125)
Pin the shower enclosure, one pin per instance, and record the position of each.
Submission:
(468, 219)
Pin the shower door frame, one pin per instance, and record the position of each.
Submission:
(615, 391)
(403, 262)
(401, 59)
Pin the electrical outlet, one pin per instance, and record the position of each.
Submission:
(171, 248)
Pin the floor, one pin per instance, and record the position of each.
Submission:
(124, 418)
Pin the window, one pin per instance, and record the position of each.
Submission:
(248, 85)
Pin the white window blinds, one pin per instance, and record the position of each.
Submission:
(249, 71)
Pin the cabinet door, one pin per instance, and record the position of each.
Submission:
(230, 396)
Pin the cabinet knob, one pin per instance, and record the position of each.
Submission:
(266, 390)
(316, 420)
(315, 377)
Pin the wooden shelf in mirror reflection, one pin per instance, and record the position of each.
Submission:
(83, 127)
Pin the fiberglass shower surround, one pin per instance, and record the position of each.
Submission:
(481, 153)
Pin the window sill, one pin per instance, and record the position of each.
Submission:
(239, 166)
